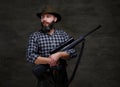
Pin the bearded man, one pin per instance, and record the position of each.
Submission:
(40, 45)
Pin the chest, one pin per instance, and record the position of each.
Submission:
(47, 43)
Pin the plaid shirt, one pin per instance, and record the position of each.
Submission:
(40, 44)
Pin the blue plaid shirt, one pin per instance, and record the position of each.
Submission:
(41, 44)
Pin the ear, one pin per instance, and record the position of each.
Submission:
(55, 19)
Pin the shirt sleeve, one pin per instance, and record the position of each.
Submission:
(72, 52)
(32, 50)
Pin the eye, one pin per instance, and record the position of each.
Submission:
(42, 16)
(48, 16)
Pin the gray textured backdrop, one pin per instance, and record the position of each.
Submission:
(100, 63)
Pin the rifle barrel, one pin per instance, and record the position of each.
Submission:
(74, 43)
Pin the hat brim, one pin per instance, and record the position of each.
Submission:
(55, 14)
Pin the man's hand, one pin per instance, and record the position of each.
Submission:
(56, 56)
(54, 59)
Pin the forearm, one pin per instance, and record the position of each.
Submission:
(42, 60)
(58, 55)
(53, 58)
(64, 55)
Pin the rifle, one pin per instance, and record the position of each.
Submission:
(70, 43)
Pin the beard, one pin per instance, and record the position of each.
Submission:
(46, 27)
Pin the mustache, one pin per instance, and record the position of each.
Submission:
(45, 22)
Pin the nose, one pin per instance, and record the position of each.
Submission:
(43, 18)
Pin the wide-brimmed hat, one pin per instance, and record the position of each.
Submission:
(50, 10)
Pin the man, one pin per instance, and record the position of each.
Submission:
(50, 69)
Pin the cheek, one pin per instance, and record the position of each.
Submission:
(50, 20)
(41, 20)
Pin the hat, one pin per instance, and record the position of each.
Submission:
(50, 10)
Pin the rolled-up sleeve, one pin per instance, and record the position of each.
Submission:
(32, 49)
(72, 53)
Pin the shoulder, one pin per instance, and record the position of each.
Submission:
(61, 31)
(35, 34)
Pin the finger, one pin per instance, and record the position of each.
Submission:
(52, 62)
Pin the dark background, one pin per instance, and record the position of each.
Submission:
(100, 62)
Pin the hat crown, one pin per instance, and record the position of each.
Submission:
(48, 9)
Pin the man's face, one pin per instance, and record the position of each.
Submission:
(47, 19)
